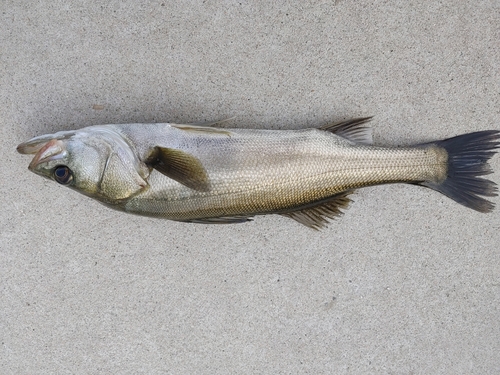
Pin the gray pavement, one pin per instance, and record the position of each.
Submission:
(406, 282)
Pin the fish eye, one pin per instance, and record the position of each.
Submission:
(63, 175)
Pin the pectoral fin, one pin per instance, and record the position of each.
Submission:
(316, 216)
(179, 166)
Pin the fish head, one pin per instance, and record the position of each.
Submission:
(96, 161)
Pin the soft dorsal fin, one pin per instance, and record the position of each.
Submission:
(316, 216)
(179, 166)
(352, 130)
(202, 129)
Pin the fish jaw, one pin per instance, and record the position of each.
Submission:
(53, 150)
(36, 144)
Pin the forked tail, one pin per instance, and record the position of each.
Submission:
(468, 157)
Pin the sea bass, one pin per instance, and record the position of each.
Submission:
(207, 174)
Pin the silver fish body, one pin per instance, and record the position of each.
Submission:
(213, 175)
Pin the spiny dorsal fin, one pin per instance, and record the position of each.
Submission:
(316, 216)
(352, 130)
(179, 166)
(211, 123)
(202, 129)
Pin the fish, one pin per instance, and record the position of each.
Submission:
(205, 173)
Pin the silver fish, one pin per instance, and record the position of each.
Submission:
(206, 174)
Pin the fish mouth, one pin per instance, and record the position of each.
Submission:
(45, 148)
(51, 150)
(31, 147)
(36, 144)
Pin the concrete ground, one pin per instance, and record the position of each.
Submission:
(406, 282)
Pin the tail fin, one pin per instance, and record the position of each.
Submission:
(468, 156)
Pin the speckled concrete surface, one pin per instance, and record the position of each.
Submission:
(406, 282)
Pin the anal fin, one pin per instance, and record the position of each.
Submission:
(317, 216)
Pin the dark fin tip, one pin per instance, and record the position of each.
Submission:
(468, 156)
